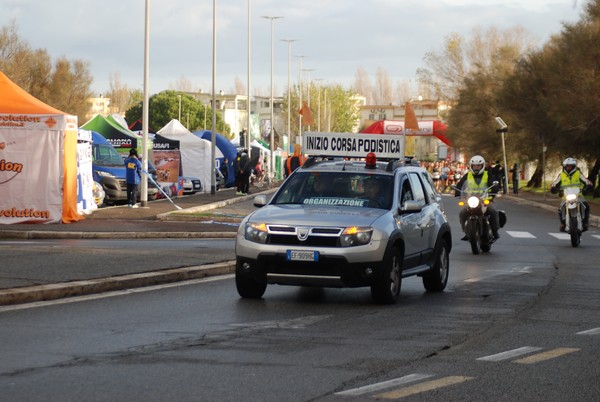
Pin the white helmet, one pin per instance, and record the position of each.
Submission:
(569, 165)
(477, 164)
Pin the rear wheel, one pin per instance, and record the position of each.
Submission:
(386, 288)
(436, 279)
(247, 286)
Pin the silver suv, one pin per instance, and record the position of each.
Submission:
(346, 224)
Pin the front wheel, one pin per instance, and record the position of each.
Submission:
(247, 286)
(436, 279)
(574, 231)
(473, 229)
(386, 287)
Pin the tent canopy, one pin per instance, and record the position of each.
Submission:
(38, 180)
(228, 150)
(195, 152)
(117, 135)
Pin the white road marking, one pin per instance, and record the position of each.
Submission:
(423, 387)
(509, 354)
(386, 384)
(547, 355)
(561, 236)
(115, 293)
(520, 235)
(596, 236)
(595, 331)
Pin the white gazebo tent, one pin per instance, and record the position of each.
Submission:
(195, 152)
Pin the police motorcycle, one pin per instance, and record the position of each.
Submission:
(572, 209)
(478, 228)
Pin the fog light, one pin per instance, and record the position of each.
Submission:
(368, 271)
(246, 266)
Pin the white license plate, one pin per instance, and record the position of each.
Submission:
(302, 255)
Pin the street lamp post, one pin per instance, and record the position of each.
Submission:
(271, 103)
(319, 104)
(308, 70)
(145, 113)
(289, 42)
(503, 129)
(300, 98)
(179, 115)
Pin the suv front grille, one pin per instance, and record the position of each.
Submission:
(304, 236)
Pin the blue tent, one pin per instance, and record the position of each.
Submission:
(228, 150)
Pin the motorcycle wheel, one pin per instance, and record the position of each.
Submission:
(486, 237)
(574, 232)
(474, 236)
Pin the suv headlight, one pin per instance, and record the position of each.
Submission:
(356, 236)
(104, 174)
(256, 232)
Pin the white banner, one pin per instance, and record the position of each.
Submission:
(353, 145)
(30, 176)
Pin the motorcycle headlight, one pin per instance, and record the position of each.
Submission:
(571, 197)
(356, 236)
(473, 202)
(256, 232)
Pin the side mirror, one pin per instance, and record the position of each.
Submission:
(410, 206)
(260, 201)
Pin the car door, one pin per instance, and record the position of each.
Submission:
(409, 223)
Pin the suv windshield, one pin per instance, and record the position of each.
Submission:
(105, 155)
(367, 190)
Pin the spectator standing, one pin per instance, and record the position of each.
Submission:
(295, 161)
(133, 168)
(515, 174)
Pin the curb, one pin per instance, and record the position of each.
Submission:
(15, 234)
(55, 291)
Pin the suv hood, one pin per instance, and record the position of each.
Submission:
(304, 215)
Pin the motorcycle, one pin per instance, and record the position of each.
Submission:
(572, 211)
(477, 226)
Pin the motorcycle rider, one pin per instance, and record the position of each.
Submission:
(476, 180)
(571, 176)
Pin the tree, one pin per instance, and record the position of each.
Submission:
(120, 95)
(362, 85)
(164, 107)
(383, 88)
(65, 86)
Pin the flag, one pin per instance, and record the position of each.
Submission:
(307, 117)
(410, 119)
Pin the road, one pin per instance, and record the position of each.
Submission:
(519, 323)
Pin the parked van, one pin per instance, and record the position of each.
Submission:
(108, 169)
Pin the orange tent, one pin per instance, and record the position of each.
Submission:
(38, 159)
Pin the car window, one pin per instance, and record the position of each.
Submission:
(417, 188)
(429, 187)
(337, 189)
(405, 191)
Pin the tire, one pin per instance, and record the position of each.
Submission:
(486, 237)
(386, 287)
(247, 286)
(436, 279)
(575, 234)
(474, 236)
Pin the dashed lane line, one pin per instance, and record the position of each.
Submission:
(423, 387)
(509, 354)
(550, 354)
(594, 331)
(520, 235)
(407, 379)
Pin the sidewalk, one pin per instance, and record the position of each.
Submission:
(161, 219)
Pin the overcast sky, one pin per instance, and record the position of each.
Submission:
(335, 36)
